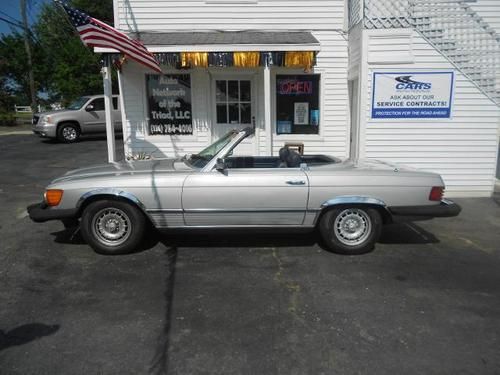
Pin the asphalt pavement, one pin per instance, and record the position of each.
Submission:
(426, 301)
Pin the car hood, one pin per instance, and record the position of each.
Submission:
(123, 168)
(54, 112)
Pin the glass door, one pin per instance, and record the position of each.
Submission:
(234, 109)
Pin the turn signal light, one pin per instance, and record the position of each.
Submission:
(53, 197)
(436, 193)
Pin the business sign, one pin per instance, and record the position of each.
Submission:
(169, 104)
(295, 86)
(412, 95)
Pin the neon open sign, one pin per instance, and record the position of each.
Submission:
(294, 87)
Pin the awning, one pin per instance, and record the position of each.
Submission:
(225, 41)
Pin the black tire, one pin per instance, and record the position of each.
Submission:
(105, 219)
(350, 230)
(68, 132)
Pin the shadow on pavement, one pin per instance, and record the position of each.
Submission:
(407, 233)
(83, 138)
(159, 363)
(26, 333)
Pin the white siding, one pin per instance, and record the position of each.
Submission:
(165, 15)
(354, 49)
(489, 10)
(331, 64)
(463, 149)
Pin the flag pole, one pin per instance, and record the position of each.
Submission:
(108, 103)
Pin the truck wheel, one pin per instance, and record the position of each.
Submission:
(68, 133)
(113, 227)
(350, 230)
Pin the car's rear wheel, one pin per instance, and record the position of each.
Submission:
(113, 227)
(68, 133)
(350, 230)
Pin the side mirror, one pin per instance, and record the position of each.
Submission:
(220, 165)
(89, 108)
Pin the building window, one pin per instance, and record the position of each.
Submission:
(233, 100)
(297, 104)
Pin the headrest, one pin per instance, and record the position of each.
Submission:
(283, 153)
(293, 159)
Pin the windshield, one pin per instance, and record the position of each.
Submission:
(78, 103)
(202, 158)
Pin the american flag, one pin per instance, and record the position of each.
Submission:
(95, 33)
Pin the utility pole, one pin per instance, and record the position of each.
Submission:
(27, 47)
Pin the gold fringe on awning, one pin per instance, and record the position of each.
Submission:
(303, 60)
(194, 59)
(246, 59)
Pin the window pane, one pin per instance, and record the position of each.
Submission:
(221, 114)
(220, 91)
(246, 113)
(298, 104)
(234, 116)
(245, 91)
(98, 104)
(115, 103)
(232, 91)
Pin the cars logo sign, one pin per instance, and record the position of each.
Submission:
(406, 83)
(415, 95)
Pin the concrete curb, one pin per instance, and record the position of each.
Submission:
(17, 132)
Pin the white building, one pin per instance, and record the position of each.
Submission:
(410, 81)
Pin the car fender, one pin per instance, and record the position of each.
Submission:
(113, 193)
(355, 200)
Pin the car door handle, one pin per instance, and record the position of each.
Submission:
(296, 182)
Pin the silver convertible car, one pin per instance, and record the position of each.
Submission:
(346, 201)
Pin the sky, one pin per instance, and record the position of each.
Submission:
(10, 10)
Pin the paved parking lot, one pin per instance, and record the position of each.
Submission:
(427, 301)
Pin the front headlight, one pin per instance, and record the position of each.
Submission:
(46, 120)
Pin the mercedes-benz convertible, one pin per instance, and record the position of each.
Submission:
(347, 202)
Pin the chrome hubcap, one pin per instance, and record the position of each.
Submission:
(352, 226)
(69, 133)
(111, 226)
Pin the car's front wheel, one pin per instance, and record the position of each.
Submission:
(113, 227)
(350, 230)
(68, 133)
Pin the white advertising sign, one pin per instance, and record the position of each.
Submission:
(412, 95)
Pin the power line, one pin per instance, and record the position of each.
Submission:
(12, 18)
(11, 23)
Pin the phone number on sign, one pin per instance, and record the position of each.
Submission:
(170, 129)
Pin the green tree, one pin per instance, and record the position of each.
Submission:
(72, 69)
(14, 81)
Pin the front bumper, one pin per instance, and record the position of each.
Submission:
(446, 208)
(44, 130)
(40, 212)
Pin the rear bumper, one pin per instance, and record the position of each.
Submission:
(446, 208)
(40, 212)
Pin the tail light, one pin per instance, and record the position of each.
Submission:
(53, 197)
(436, 193)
